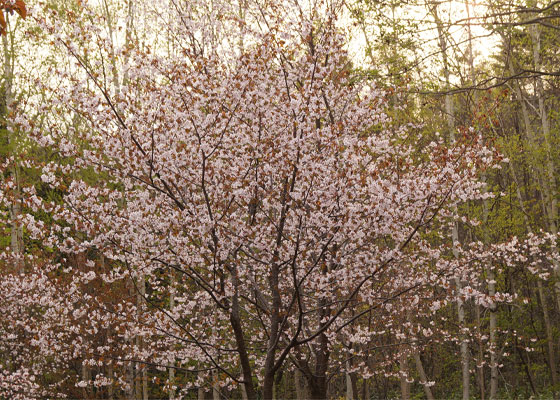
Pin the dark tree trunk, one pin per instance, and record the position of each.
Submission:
(318, 384)
(242, 349)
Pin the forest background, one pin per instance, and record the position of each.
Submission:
(98, 299)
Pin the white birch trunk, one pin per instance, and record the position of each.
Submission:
(422, 375)
(349, 389)
(450, 113)
(405, 386)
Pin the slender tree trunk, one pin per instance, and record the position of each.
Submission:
(243, 392)
(450, 112)
(172, 370)
(480, 369)
(366, 389)
(491, 281)
(200, 389)
(128, 36)
(350, 378)
(235, 321)
(489, 271)
(86, 376)
(464, 349)
(349, 388)
(110, 375)
(130, 377)
(16, 235)
(109, 369)
(300, 384)
(113, 61)
(493, 328)
(549, 336)
(215, 386)
(318, 380)
(141, 381)
(268, 384)
(422, 375)
(405, 386)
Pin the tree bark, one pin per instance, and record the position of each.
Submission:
(302, 392)
(318, 380)
(423, 377)
(172, 370)
(450, 113)
(235, 322)
(215, 387)
(405, 386)
(200, 389)
(349, 387)
(268, 384)
(16, 235)
(480, 368)
(493, 346)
